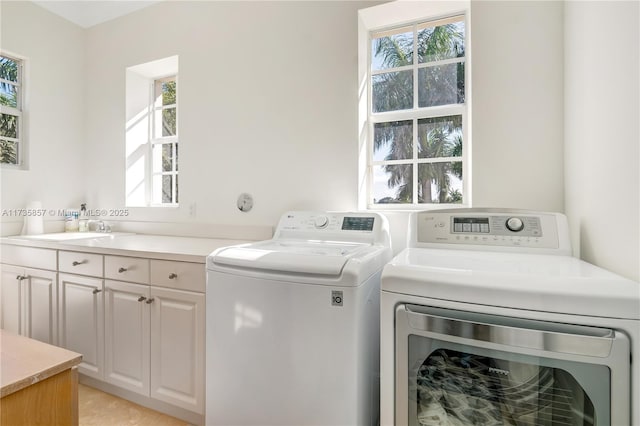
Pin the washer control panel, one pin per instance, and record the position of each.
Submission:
(327, 221)
(337, 226)
(488, 227)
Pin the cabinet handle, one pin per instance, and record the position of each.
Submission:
(173, 276)
(96, 290)
(21, 277)
(141, 299)
(149, 301)
(121, 270)
(76, 263)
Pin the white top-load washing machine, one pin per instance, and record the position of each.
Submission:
(293, 323)
(487, 319)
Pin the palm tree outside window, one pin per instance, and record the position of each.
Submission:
(417, 113)
(11, 89)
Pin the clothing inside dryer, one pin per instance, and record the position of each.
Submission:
(462, 389)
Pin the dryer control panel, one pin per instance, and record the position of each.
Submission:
(493, 229)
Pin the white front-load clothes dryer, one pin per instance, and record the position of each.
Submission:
(293, 323)
(487, 319)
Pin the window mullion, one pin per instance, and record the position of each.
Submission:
(442, 62)
(390, 70)
(416, 91)
(427, 112)
(392, 162)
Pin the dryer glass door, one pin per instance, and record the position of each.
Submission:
(460, 368)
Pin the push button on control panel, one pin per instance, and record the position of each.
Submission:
(475, 225)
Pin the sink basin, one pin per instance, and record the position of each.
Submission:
(66, 236)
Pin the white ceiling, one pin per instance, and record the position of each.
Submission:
(87, 13)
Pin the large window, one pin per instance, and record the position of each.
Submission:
(11, 95)
(417, 113)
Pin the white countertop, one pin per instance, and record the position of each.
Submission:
(188, 249)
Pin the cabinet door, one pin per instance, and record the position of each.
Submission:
(11, 299)
(41, 303)
(81, 321)
(127, 338)
(178, 348)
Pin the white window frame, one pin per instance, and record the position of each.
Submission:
(391, 16)
(155, 125)
(18, 111)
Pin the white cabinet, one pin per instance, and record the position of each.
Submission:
(178, 348)
(155, 337)
(28, 302)
(127, 335)
(81, 321)
(11, 300)
(138, 323)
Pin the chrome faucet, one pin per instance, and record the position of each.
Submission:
(101, 226)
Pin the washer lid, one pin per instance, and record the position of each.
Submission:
(298, 256)
(538, 282)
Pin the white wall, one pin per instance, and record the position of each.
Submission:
(54, 52)
(268, 95)
(602, 137)
(517, 116)
(267, 105)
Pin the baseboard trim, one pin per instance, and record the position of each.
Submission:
(145, 401)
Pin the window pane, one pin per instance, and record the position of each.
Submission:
(393, 140)
(441, 85)
(440, 41)
(169, 93)
(167, 157)
(8, 69)
(440, 137)
(392, 49)
(392, 91)
(167, 181)
(169, 122)
(440, 182)
(8, 152)
(8, 125)
(175, 160)
(8, 95)
(393, 184)
(176, 178)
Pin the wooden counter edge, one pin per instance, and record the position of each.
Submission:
(25, 361)
(10, 388)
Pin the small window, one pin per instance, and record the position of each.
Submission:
(417, 113)
(164, 142)
(152, 134)
(11, 103)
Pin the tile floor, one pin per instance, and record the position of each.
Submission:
(102, 409)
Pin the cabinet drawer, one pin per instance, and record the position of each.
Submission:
(80, 263)
(179, 275)
(123, 268)
(30, 257)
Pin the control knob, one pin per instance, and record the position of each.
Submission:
(514, 224)
(321, 222)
